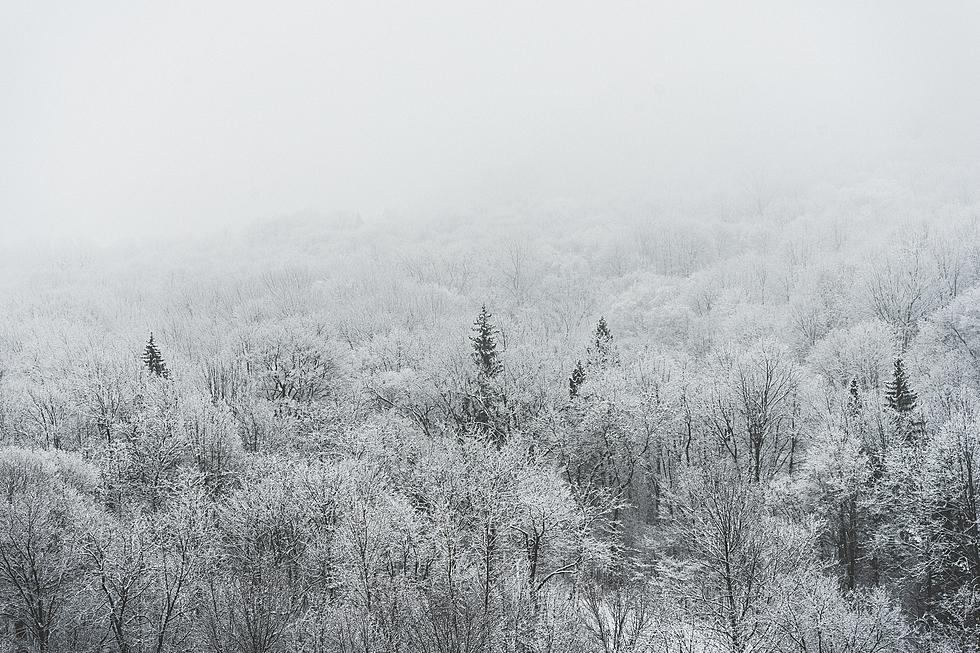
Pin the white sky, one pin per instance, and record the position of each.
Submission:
(123, 117)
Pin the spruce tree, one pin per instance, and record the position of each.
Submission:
(854, 397)
(153, 359)
(483, 406)
(898, 394)
(576, 380)
(485, 346)
(602, 352)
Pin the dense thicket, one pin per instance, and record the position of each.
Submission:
(735, 431)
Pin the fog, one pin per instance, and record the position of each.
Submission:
(504, 327)
(121, 118)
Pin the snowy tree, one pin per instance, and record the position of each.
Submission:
(153, 359)
(576, 380)
(602, 351)
(898, 393)
(484, 403)
(485, 345)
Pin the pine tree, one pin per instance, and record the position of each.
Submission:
(153, 359)
(898, 394)
(485, 346)
(576, 380)
(854, 397)
(485, 404)
(602, 352)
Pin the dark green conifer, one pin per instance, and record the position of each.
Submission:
(854, 397)
(484, 405)
(576, 380)
(153, 359)
(485, 346)
(602, 352)
(898, 394)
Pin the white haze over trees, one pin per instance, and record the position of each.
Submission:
(128, 118)
(416, 328)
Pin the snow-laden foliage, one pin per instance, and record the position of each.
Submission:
(751, 430)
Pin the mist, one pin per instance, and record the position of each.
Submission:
(122, 119)
(551, 327)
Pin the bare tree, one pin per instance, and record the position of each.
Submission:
(737, 550)
(902, 290)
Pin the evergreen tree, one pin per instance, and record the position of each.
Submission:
(484, 405)
(576, 380)
(485, 346)
(854, 397)
(602, 352)
(153, 359)
(898, 394)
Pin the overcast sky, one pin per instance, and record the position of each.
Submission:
(123, 117)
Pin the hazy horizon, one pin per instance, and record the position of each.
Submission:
(126, 119)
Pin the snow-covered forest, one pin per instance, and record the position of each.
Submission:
(453, 326)
(752, 427)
